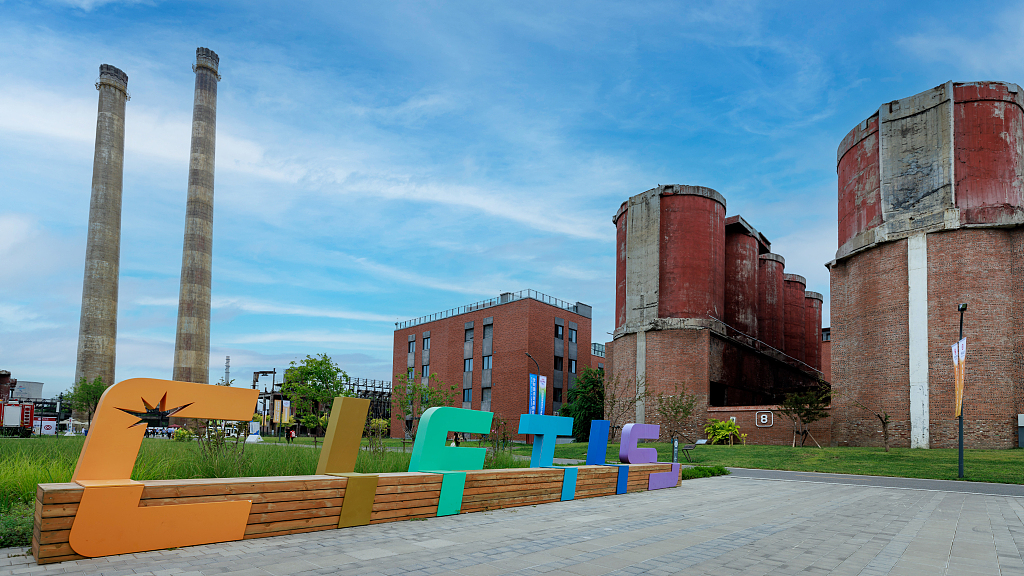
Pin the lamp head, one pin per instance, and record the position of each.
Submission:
(962, 308)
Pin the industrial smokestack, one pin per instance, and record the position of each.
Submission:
(97, 333)
(192, 343)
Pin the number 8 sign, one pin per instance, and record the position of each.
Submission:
(764, 419)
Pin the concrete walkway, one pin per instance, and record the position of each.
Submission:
(724, 526)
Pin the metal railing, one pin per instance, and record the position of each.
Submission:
(504, 298)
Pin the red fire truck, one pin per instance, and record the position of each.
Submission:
(17, 418)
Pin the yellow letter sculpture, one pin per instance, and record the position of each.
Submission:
(110, 520)
(338, 458)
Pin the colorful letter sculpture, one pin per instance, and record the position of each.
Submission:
(109, 519)
(546, 430)
(429, 453)
(338, 458)
(597, 447)
(629, 453)
(597, 452)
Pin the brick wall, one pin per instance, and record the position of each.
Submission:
(780, 430)
(981, 267)
(869, 345)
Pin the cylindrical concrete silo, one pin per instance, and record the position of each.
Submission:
(97, 335)
(741, 279)
(771, 300)
(796, 323)
(692, 253)
(620, 220)
(812, 332)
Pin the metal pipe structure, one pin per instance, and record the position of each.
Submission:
(192, 342)
(97, 333)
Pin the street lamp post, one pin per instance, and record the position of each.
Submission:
(962, 308)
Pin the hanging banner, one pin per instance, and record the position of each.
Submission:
(959, 351)
(286, 412)
(277, 411)
(533, 394)
(542, 391)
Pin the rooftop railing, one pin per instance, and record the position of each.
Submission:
(504, 298)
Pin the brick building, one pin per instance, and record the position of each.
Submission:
(931, 202)
(597, 352)
(484, 347)
(702, 302)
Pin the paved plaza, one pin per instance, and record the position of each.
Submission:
(754, 522)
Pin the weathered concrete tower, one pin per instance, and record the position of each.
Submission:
(192, 344)
(97, 334)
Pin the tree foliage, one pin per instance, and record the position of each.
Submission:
(585, 403)
(621, 398)
(86, 396)
(673, 411)
(312, 385)
(804, 409)
(411, 397)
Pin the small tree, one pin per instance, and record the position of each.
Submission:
(621, 398)
(86, 396)
(883, 418)
(673, 411)
(312, 385)
(411, 397)
(804, 409)
(585, 403)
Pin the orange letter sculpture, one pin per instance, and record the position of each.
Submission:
(110, 520)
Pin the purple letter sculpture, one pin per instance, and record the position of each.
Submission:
(629, 453)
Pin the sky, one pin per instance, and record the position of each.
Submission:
(380, 161)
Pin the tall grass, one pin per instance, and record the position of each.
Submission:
(27, 462)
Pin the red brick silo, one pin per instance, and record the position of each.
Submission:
(620, 263)
(812, 332)
(741, 267)
(796, 324)
(691, 253)
(931, 215)
(771, 302)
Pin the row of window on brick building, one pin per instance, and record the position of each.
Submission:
(488, 361)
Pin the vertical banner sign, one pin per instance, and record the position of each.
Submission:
(542, 391)
(533, 394)
(277, 411)
(959, 364)
(286, 412)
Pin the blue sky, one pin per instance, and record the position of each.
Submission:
(378, 161)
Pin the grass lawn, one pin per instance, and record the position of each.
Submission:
(1003, 466)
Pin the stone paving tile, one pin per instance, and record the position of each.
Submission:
(720, 526)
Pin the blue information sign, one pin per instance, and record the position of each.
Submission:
(533, 394)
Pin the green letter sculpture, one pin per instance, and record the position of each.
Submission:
(429, 453)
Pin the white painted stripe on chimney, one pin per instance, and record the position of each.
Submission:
(917, 295)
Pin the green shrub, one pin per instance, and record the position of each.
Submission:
(704, 472)
(183, 435)
(16, 525)
(721, 430)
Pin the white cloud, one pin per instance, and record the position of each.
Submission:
(271, 308)
(365, 340)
